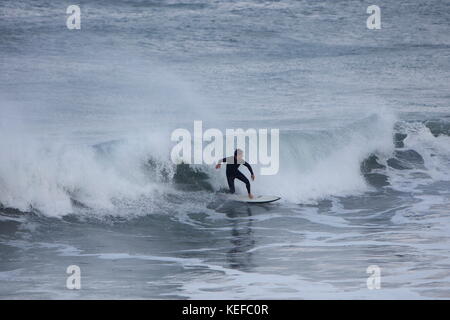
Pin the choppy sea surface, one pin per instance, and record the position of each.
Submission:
(86, 178)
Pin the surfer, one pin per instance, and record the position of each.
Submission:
(233, 164)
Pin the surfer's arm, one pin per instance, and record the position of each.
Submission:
(219, 163)
(249, 167)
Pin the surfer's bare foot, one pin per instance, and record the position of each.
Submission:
(250, 196)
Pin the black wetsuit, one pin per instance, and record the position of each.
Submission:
(234, 173)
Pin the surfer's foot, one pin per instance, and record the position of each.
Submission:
(250, 196)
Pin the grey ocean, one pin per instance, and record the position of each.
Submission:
(86, 178)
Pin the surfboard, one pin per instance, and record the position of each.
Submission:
(256, 199)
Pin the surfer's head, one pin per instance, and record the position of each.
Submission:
(238, 153)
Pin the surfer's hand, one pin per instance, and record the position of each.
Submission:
(253, 177)
(218, 166)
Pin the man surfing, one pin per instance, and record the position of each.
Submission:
(233, 164)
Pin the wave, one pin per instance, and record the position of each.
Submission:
(421, 155)
(56, 178)
(317, 165)
(47, 177)
(438, 126)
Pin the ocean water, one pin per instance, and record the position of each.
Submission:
(86, 178)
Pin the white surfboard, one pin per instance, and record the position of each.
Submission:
(256, 199)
